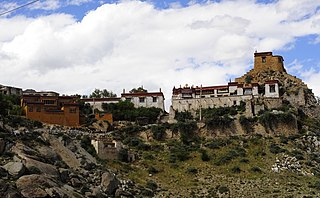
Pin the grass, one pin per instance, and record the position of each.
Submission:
(184, 178)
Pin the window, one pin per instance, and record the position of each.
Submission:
(48, 102)
(30, 109)
(38, 109)
(154, 99)
(264, 59)
(234, 102)
(141, 99)
(72, 110)
(279, 60)
(247, 91)
(272, 88)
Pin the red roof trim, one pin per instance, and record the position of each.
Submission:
(142, 94)
(271, 82)
(100, 99)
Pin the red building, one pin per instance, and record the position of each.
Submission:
(62, 110)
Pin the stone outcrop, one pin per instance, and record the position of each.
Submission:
(16, 169)
(109, 183)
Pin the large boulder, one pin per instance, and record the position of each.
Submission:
(109, 183)
(16, 169)
(35, 185)
(44, 168)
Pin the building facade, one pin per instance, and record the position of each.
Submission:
(96, 103)
(145, 99)
(61, 110)
(7, 90)
(194, 98)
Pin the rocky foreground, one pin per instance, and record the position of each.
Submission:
(50, 162)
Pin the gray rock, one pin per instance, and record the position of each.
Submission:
(16, 169)
(75, 182)
(109, 183)
(35, 185)
(64, 174)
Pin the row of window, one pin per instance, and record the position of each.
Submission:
(38, 109)
(143, 99)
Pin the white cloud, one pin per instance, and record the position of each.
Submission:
(132, 43)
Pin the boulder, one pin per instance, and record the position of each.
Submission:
(44, 168)
(35, 185)
(16, 169)
(109, 183)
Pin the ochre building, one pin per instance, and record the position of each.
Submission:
(61, 110)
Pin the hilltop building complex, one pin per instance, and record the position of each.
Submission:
(244, 89)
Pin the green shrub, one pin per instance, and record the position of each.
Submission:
(244, 160)
(86, 144)
(275, 149)
(152, 170)
(297, 154)
(158, 132)
(152, 185)
(204, 155)
(235, 169)
(230, 155)
(219, 122)
(247, 123)
(192, 170)
(256, 169)
(123, 155)
(179, 152)
(183, 116)
(217, 143)
(223, 189)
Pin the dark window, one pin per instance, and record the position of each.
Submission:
(234, 102)
(141, 99)
(264, 59)
(272, 88)
(38, 109)
(48, 102)
(30, 109)
(72, 110)
(154, 99)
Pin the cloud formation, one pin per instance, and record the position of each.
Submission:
(132, 43)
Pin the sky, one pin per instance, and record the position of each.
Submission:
(75, 46)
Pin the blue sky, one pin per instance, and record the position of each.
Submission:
(153, 43)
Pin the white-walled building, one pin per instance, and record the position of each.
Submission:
(194, 98)
(96, 103)
(145, 99)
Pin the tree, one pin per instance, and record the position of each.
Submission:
(138, 90)
(248, 79)
(97, 93)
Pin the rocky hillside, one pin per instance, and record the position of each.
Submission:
(50, 161)
(292, 89)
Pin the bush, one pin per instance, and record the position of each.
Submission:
(204, 155)
(86, 144)
(125, 110)
(247, 123)
(230, 155)
(297, 154)
(217, 143)
(275, 149)
(152, 185)
(187, 131)
(152, 170)
(219, 122)
(158, 132)
(192, 170)
(179, 152)
(256, 169)
(244, 160)
(183, 116)
(223, 189)
(235, 169)
(123, 155)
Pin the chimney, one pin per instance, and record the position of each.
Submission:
(124, 91)
(160, 90)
